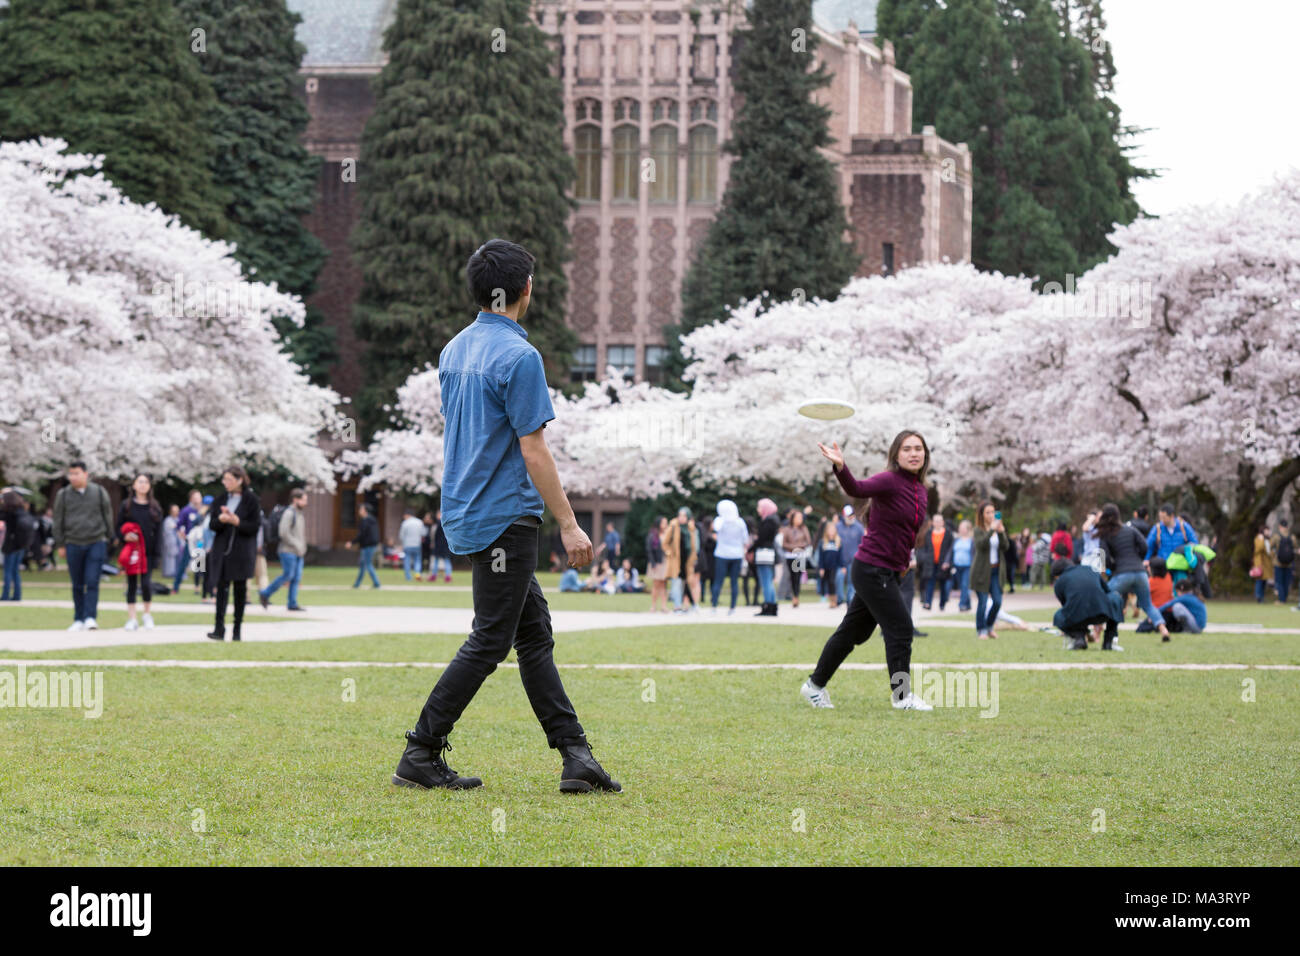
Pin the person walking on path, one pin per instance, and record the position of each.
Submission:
(142, 509)
(441, 552)
(657, 565)
(292, 550)
(410, 533)
(83, 526)
(1283, 560)
(235, 519)
(367, 542)
(19, 530)
(1261, 565)
(988, 557)
(798, 548)
(895, 513)
(498, 476)
(731, 537)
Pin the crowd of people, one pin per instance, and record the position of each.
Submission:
(1157, 570)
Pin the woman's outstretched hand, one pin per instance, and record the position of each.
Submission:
(833, 454)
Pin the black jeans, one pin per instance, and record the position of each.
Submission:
(877, 599)
(509, 611)
(241, 599)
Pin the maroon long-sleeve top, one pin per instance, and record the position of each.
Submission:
(898, 507)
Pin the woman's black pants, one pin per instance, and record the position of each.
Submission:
(241, 598)
(877, 599)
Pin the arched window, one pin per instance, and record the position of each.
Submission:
(586, 154)
(702, 166)
(587, 151)
(663, 150)
(627, 148)
(702, 169)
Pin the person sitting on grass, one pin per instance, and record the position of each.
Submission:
(1085, 601)
(601, 580)
(1159, 583)
(569, 580)
(1185, 612)
(627, 580)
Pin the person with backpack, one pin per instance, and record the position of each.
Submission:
(141, 509)
(287, 536)
(20, 528)
(1283, 560)
(83, 525)
(1171, 533)
(1124, 547)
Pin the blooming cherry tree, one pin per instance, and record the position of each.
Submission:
(133, 342)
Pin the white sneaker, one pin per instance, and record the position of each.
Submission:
(148, 622)
(817, 696)
(1113, 647)
(92, 624)
(912, 702)
(131, 625)
(77, 626)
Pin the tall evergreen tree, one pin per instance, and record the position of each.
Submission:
(1016, 80)
(116, 77)
(781, 225)
(465, 144)
(252, 60)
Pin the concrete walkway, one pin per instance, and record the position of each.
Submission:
(332, 621)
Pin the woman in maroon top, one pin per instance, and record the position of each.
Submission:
(895, 512)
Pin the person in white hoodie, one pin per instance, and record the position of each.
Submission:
(732, 535)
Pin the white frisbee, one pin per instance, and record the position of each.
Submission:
(826, 409)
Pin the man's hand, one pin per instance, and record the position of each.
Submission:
(577, 544)
(63, 553)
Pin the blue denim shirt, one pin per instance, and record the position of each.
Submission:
(493, 392)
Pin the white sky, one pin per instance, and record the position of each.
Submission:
(1217, 82)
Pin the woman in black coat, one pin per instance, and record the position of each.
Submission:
(234, 518)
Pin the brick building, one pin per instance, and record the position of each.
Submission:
(643, 79)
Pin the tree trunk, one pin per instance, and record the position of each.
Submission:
(1236, 529)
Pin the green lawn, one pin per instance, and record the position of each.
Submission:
(719, 768)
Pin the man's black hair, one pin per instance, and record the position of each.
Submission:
(1184, 586)
(1168, 508)
(77, 464)
(498, 270)
(1158, 568)
(1143, 512)
(1060, 566)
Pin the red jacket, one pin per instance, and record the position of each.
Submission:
(1058, 537)
(132, 558)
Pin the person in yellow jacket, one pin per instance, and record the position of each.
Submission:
(1263, 560)
(679, 553)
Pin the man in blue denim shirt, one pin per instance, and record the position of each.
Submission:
(497, 474)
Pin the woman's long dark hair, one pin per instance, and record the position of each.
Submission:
(1109, 522)
(237, 472)
(892, 465)
(155, 509)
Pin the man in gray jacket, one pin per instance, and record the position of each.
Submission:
(83, 526)
(292, 547)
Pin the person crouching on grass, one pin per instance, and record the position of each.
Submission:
(1086, 600)
(497, 474)
(895, 512)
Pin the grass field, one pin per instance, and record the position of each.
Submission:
(270, 765)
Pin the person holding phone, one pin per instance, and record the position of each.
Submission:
(896, 509)
(234, 519)
(988, 557)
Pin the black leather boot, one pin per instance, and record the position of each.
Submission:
(217, 635)
(581, 773)
(422, 767)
